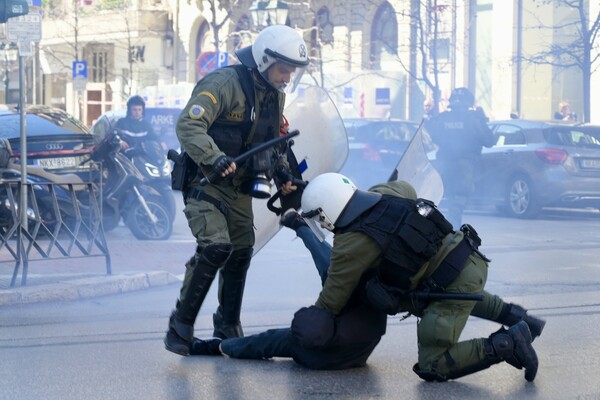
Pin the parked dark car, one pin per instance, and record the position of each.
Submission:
(163, 120)
(375, 147)
(55, 140)
(537, 164)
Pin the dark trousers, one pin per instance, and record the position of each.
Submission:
(268, 344)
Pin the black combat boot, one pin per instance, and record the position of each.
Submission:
(512, 345)
(200, 273)
(512, 313)
(232, 279)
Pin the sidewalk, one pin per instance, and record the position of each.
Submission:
(135, 265)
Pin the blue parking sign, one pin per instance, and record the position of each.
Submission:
(80, 69)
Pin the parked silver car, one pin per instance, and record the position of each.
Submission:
(537, 164)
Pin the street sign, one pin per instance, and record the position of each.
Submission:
(80, 69)
(210, 60)
(28, 27)
(79, 75)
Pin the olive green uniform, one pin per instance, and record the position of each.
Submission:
(441, 322)
(219, 99)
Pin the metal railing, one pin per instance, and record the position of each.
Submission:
(64, 220)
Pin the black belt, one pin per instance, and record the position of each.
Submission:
(449, 268)
(201, 195)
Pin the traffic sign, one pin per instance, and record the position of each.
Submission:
(211, 60)
(79, 69)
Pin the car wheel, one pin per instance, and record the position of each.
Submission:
(521, 200)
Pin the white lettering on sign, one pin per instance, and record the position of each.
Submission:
(162, 119)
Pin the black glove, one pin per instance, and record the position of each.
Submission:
(283, 175)
(221, 164)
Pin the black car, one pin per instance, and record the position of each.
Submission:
(56, 140)
(538, 164)
(375, 148)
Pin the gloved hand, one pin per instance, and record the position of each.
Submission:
(313, 327)
(223, 166)
(283, 175)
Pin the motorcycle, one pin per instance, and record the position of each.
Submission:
(127, 195)
(150, 159)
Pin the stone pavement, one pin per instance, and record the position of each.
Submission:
(135, 265)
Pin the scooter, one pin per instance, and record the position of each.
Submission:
(150, 159)
(127, 195)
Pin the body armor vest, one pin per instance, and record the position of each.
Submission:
(232, 138)
(409, 233)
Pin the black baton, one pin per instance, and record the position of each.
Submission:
(243, 157)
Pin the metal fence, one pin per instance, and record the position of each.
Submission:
(64, 221)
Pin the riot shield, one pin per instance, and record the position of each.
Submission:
(322, 146)
(415, 168)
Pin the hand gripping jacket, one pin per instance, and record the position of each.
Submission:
(409, 233)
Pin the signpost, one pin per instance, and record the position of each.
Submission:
(80, 75)
(24, 29)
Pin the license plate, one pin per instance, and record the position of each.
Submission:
(58, 163)
(590, 163)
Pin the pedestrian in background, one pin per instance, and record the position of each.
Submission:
(564, 112)
(459, 134)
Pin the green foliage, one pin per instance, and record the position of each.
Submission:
(112, 4)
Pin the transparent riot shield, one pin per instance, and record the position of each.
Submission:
(415, 168)
(322, 146)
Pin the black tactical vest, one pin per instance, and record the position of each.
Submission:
(232, 138)
(409, 233)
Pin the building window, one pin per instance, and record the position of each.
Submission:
(99, 66)
(384, 34)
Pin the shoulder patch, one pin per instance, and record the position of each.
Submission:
(196, 111)
(210, 96)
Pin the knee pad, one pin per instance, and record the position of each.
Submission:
(215, 254)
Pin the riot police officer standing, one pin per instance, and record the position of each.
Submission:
(460, 134)
(230, 110)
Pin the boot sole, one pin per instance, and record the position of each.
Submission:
(177, 349)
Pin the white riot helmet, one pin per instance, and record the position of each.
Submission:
(275, 43)
(335, 201)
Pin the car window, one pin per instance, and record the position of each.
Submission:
(571, 137)
(508, 135)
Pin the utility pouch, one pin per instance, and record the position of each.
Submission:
(184, 170)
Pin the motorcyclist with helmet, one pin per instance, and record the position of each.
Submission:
(133, 128)
(459, 133)
(389, 245)
(230, 110)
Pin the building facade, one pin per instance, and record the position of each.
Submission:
(376, 58)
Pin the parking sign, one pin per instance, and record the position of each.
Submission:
(79, 69)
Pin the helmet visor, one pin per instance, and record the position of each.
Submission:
(284, 76)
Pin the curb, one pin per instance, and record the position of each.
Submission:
(85, 288)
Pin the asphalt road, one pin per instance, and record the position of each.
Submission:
(111, 347)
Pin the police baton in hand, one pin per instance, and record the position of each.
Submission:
(433, 296)
(243, 157)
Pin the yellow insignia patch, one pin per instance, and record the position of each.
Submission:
(196, 111)
(210, 96)
(235, 116)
